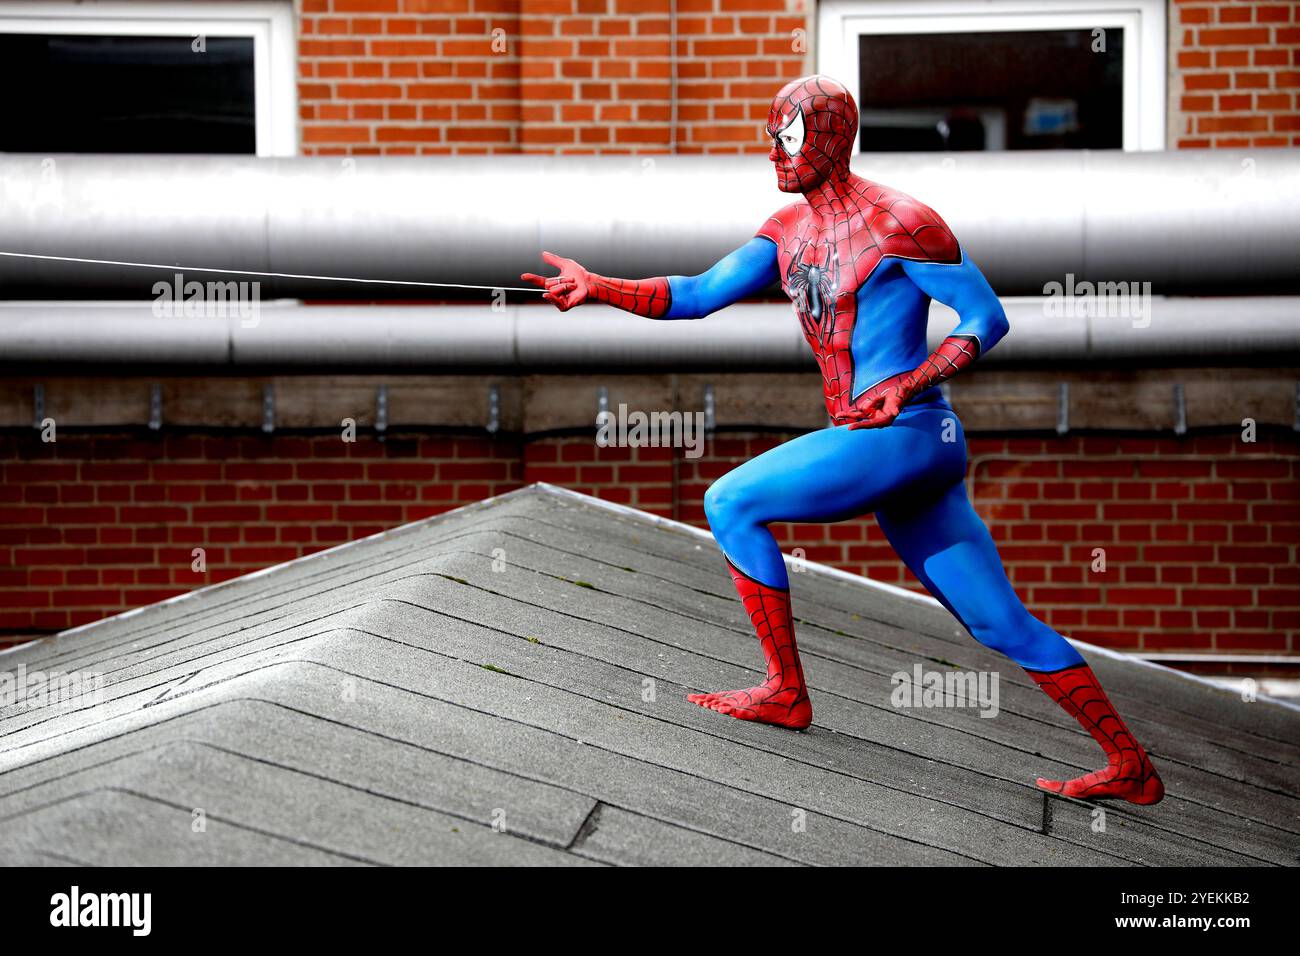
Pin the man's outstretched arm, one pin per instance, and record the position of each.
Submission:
(748, 270)
(982, 324)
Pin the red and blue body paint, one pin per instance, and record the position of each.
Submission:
(861, 263)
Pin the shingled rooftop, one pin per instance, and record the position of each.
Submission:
(506, 683)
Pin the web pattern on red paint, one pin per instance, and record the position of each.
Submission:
(1128, 773)
(872, 223)
(783, 697)
(648, 297)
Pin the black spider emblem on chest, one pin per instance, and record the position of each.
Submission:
(812, 281)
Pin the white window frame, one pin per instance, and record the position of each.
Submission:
(841, 22)
(270, 24)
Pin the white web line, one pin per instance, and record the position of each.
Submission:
(272, 275)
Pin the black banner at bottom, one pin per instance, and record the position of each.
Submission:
(213, 906)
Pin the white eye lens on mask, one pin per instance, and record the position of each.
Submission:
(791, 137)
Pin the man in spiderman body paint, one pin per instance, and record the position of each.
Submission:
(861, 262)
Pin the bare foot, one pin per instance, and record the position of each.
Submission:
(786, 707)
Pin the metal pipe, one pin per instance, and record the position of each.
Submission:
(289, 335)
(1190, 222)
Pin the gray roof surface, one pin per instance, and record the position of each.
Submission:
(400, 700)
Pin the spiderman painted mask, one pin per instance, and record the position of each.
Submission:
(813, 123)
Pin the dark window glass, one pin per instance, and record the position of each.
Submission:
(1048, 89)
(126, 94)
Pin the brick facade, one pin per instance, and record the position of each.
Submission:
(1234, 73)
(1200, 534)
(596, 76)
(569, 76)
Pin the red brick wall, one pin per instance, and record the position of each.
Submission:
(1236, 73)
(472, 76)
(570, 76)
(1200, 534)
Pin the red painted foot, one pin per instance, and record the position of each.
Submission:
(789, 707)
(1129, 774)
(782, 699)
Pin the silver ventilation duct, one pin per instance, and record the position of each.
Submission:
(1257, 330)
(1191, 222)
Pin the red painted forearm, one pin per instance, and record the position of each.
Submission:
(954, 354)
(648, 297)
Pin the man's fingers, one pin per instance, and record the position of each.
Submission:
(869, 423)
(558, 298)
(876, 413)
(552, 259)
(857, 420)
(535, 279)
